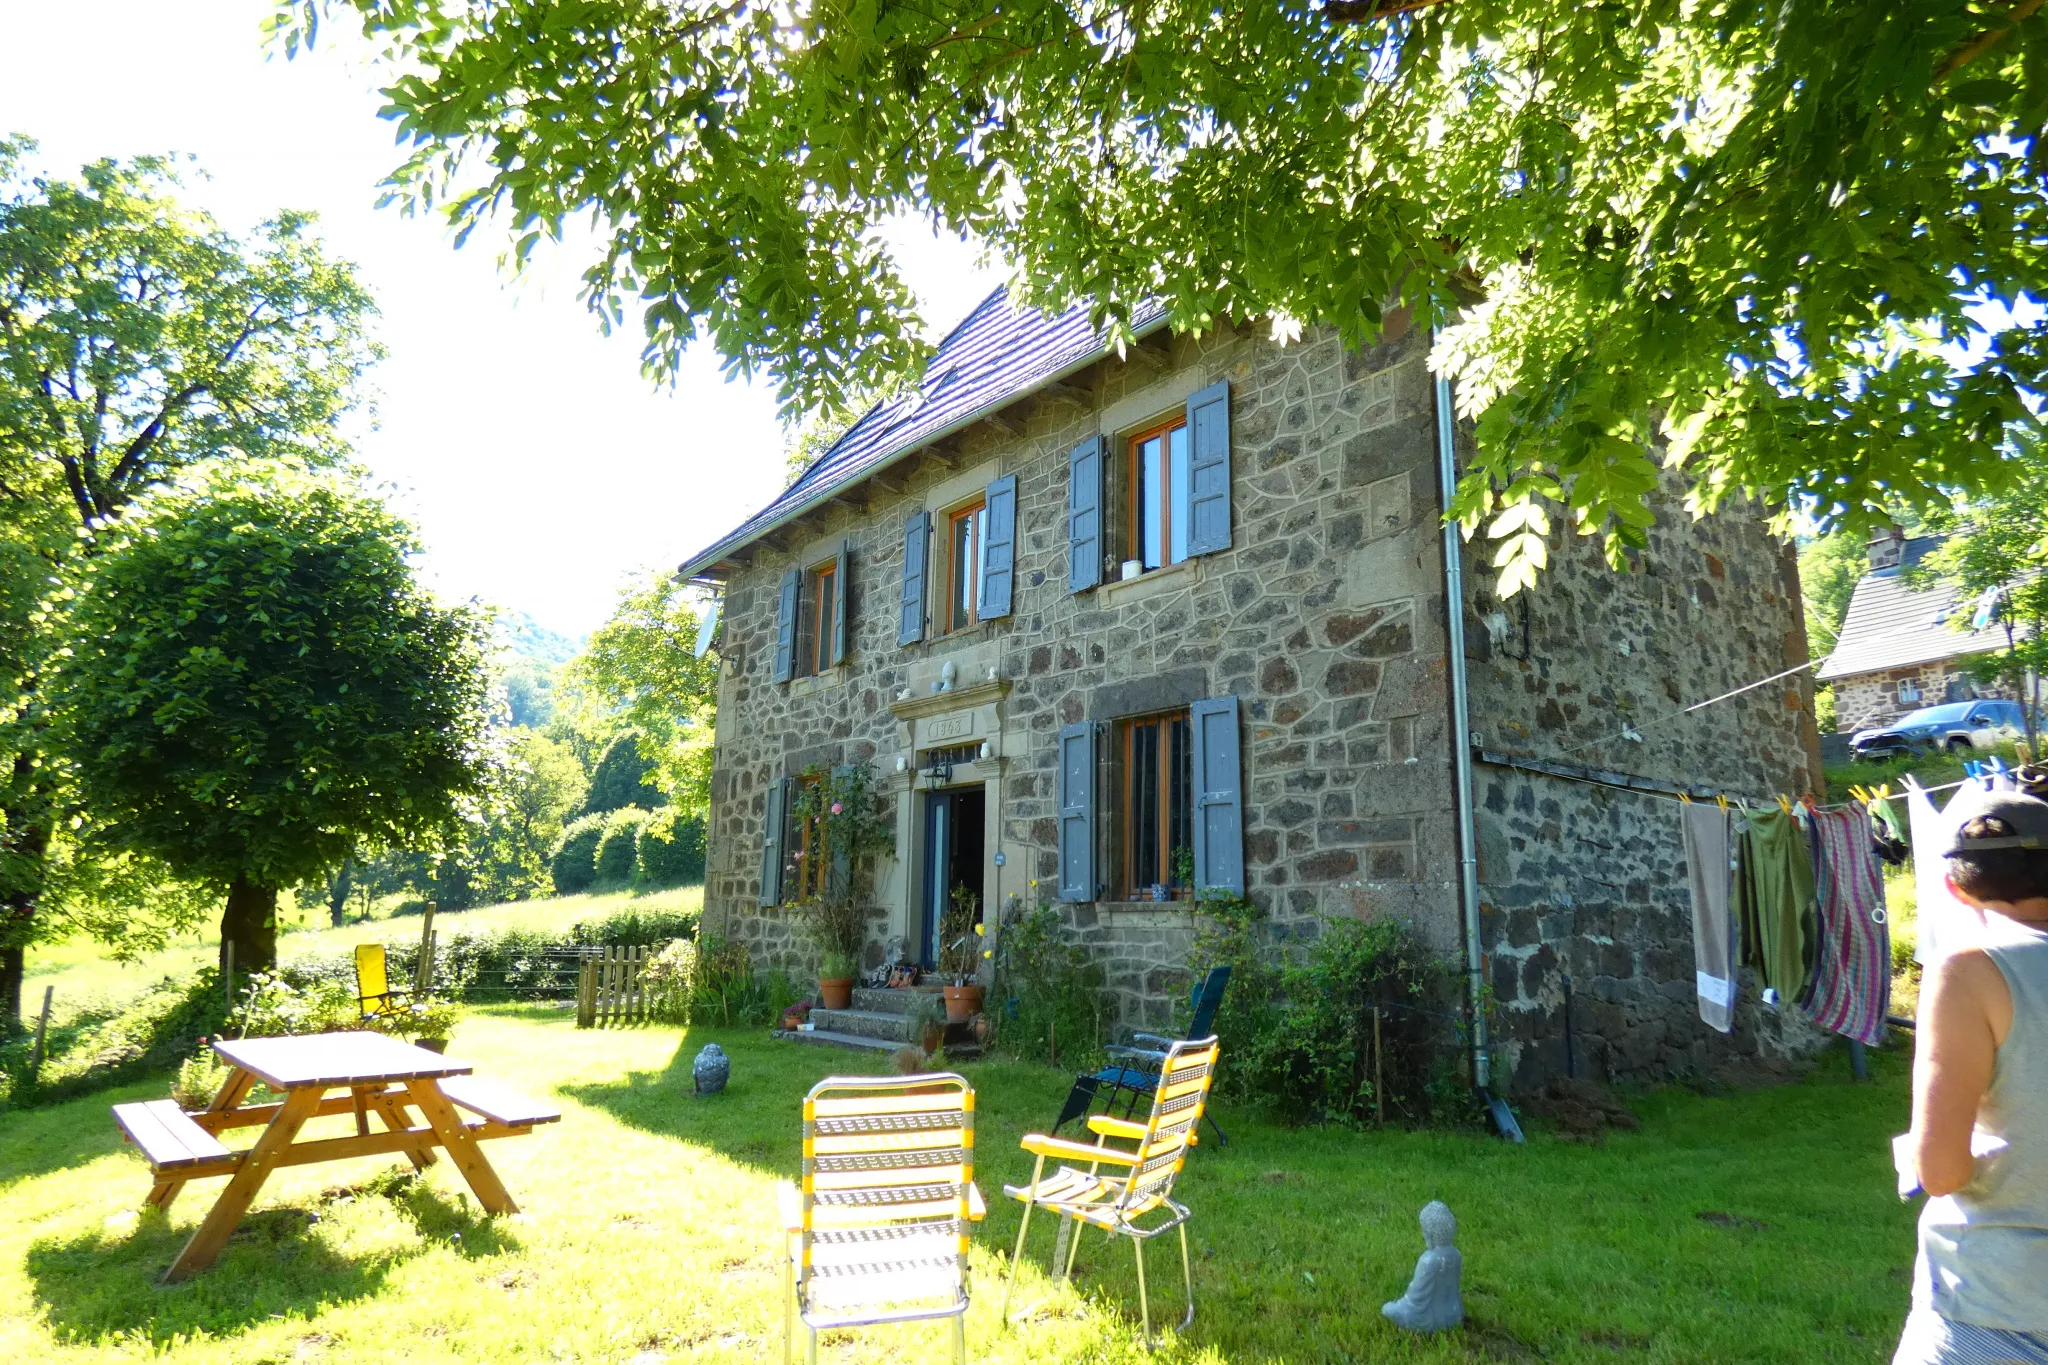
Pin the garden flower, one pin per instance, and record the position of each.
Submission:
(838, 809)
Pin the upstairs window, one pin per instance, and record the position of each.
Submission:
(966, 561)
(1159, 804)
(1159, 492)
(820, 598)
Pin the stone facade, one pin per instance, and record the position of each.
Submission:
(1866, 701)
(1586, 883)
(1326, 620)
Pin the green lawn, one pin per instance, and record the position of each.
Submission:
(648, 1227)
(85, 976)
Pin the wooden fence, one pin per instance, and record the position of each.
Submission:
(611, 989)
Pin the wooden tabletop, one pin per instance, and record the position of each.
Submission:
(328, 1059)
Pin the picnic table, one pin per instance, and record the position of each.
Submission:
(378, 1076)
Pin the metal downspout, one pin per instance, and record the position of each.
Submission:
(1461, 759)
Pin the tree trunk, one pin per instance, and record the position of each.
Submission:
(13, 966)
(249, 924)
(338, 889)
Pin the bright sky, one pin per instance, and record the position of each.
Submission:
(538, 465)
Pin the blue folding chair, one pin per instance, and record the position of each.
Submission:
(1134, 1071)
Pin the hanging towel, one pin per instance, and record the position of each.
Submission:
(1944, 923)
(1775, 900)
(1853, 970)
(1710, 867)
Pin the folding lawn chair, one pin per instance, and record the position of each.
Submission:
(1134, 1071)
(877, 1232)
(373, 983)
(1144, 1186)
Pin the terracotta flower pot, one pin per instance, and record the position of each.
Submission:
(431, 1044)
(836, 992)
(962, 1003)
(933, 1037)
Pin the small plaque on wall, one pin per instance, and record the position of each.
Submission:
(956, 726)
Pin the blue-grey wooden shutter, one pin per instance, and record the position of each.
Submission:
(999, 550)
(771, 841)
(842, 601)
(785, 626)
(1077, 812)
(1084, 515)
(1209, 470)
(1219, 796)
(916, 534)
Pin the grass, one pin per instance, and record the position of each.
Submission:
(1745, 1227)
(86, 978)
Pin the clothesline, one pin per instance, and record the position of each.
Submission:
(1634, 732)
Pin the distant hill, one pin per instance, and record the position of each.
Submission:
(527, 638)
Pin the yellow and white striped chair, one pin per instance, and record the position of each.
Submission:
(877, 1232)
(1123, 1202)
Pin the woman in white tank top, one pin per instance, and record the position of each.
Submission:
(1979, 1143)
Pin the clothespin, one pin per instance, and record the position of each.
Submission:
(1685, 798)
(1784, 803)
(1722, 800)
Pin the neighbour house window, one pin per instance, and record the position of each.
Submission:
(814, 620)
(1157, 819)
(966, 560)
(1158, 483)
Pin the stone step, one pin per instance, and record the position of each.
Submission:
(895, 1029)
(850, 1041)
(898, 1000)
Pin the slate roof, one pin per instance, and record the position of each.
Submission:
(998, 354)
(1889, 626)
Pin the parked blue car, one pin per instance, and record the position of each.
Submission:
(1956, 725)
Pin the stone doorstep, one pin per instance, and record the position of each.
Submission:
(894, 1029)
(895, 1000)
(851, 1041)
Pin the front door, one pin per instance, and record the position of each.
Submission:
(952, 859)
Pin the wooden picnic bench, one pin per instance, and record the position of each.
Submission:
(378, 1076)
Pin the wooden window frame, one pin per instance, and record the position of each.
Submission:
(950, 618)
(1126, 833)
(813, 643)
(814, 850)
(1134, 492)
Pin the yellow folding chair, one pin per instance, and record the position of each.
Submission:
(877, 1231)
(373, 983)
(1117, 1203)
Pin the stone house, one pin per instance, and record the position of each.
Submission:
(1085, 610)
(1899, 648)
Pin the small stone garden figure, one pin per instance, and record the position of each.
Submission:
(711, 1069)
(1433, 1303)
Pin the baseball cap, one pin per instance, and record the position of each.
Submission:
(2026, 816)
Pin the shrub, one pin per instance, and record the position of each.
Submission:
(618, 848)
(620, 778)
(1316, 1052)
(671, 982)
(574, 861)
(1054, 1007)
(275, 1004)
(671, 851)
(199, 1079)
(150, 1033)
(630, 927)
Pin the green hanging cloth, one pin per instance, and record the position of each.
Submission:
(1780, 924)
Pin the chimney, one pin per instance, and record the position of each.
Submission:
(1887, 547)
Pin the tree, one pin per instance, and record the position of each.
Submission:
(136, 340)
(1830, 567)
(620, 778)
(541, 789)
(256, 686)
(643, 664)
(1995, 560)
(1775, 242)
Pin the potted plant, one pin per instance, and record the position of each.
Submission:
(929, 1019)
(847, 827)
(960, 935)
(837, 971)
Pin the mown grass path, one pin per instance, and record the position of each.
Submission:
(648, 1225)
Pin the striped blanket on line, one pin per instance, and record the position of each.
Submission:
(1853, 970)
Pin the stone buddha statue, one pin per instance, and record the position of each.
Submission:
(1433, 1303)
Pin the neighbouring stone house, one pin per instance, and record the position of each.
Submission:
(1082, 610)
(1900, 647)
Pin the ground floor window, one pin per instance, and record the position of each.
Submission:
(1157, 819)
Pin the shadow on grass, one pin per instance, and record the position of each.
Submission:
(280, 1262)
